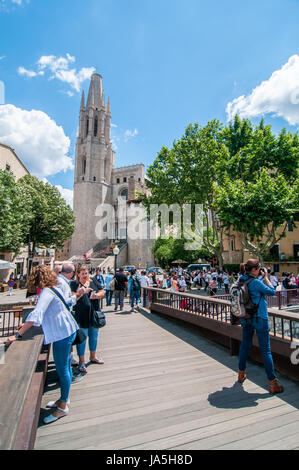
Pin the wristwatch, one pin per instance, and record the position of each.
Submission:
(18, 336)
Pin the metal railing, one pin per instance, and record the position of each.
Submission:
(10, 320)
(283, 325)
(283, 298)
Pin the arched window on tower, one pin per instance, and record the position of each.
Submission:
(83, 165)
(95, 130)
(124, 194)
(87, 126)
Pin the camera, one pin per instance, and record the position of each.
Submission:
(263, 270)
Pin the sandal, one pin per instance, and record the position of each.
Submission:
(82, 368)
(52, 404)
(97, 361)
(51, 418)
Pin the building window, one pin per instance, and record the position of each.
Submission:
(117, 180)
(95, 133)
(124, 194)
(87, 126)
(296, 251)
(290, 226)
(84, 166)
(232, 244)
(274, 252)
(94, 178)
(125, 180)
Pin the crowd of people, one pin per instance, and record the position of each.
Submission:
(217, 281)
(69, 297)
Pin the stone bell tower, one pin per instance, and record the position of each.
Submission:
(93, 166)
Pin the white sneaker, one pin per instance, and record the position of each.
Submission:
(74, 363)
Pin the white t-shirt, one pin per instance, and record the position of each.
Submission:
(144, 281)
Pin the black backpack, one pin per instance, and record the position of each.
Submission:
(136, 283)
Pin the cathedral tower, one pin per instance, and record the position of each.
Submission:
(93, 166)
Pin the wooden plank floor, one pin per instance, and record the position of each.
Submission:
(163, 386)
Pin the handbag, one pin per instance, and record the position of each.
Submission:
(80, 333)
(112, 284)
(98, 319)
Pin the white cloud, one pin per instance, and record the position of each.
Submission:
(59, 69)
(67, 194)
(5, 4)
(279, 95)
(29, 73)
(40, 143)
(129, 134)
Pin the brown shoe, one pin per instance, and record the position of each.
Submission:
(274, 387)
(241, 376)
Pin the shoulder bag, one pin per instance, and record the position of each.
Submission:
(80, 334)
(112, 284)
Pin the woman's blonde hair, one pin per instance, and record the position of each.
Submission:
(79, 270)
(41, 276)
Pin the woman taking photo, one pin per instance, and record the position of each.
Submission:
(59, 328)
(258, 289)
(87, 302)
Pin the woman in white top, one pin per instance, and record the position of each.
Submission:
(59, 328)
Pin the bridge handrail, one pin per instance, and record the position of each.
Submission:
(212, 316)
(22, 378)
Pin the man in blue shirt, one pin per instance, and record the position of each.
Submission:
(108, 291)
(258, 289)
(134, 289)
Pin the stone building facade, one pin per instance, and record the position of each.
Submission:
(98, 184)
(283, 257)
(10, 161)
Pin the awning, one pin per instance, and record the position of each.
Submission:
(6, 265)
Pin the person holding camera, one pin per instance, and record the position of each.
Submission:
(258, 289)
(88, 297)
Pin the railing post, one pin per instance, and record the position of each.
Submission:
(279, 300)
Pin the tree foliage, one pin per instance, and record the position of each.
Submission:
(257, 187)
(51, 220)
(186, 172)
(13, 214)
(245, 176)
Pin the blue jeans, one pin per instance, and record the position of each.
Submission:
(61, 354)
(135, 295)
(261, 326)
(108, 294)
(92, 334)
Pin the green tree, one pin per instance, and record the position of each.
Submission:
(257, 187)
(167, 250)
(13, 214)
(51, 220)
(186, 173)
(258, 210)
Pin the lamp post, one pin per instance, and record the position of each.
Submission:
(115, 252)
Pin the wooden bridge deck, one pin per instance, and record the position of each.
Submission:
(163, 386)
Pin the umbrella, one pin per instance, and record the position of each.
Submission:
(6, 265)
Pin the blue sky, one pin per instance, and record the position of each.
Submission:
(165, 64)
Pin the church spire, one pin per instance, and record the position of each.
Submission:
(82, 106)
(95, 94)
